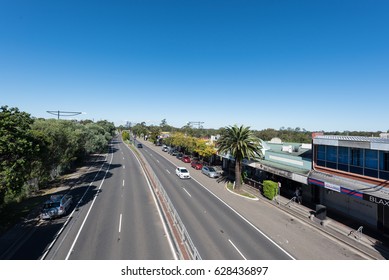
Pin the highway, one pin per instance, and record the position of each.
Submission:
(114, 217)
(216, 230)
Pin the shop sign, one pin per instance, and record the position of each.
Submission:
(332, 187)
(376, 200)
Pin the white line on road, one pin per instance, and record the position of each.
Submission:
(167, 171)
(90, 208)
(187, 192)
(124, 167)
(158, 161)
(236, 248)
(123, 183)
(120, 223)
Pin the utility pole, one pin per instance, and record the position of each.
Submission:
(196, 123)
(64, 113)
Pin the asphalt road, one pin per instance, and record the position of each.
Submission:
(294, 235)
(216, 230)
(115, 218)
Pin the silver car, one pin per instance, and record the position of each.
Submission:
(210, 171)
(56, 206)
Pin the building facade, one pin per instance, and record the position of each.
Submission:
(350, 176)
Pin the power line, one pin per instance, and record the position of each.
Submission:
(64, 113)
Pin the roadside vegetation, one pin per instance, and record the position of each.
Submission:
(36, 152)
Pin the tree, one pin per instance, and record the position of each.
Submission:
(240, 143)
(17, 151)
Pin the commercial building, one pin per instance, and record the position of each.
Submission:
(350, 177)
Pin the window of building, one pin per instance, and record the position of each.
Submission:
(321, 152)
(343, 158)
(356, 161)
(331, 153)
(384, 161)
(371, 159)
(356, 158)
(384, 165)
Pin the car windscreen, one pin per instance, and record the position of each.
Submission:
(51, 205)
(183, 170)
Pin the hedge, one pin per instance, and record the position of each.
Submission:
(270, 189)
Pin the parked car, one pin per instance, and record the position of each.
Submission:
(186, 159)
(210, 171)
(182, 172)
(56, 206)
(172, 151)
(165, 148)
(219, 170)
(179, 155)
(139, 145)
(196, 165)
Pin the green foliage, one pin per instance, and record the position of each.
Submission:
(34, 151)
(17, 150)
(270, 189)
(240, 143)
(125, 135)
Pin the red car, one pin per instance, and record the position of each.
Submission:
(196, 165)
(186, 159)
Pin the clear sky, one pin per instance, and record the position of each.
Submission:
(318, 65)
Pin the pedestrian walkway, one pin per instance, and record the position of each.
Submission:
(371, 244)
(366, 244)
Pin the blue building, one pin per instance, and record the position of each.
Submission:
(350, 176)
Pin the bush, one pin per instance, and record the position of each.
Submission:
(270, 189)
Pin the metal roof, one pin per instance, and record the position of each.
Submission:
(354, 138)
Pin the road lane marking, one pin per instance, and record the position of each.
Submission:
(243, 218)
(120, 223)
(158, 161)
(90, 208)
(187, 192)
(168, 171)
(170, 241)
(236, 248)
(124, 167)
(123, 183)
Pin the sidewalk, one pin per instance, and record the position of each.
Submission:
(360, 241)
(375, 247)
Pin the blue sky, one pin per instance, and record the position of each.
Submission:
(318, 65)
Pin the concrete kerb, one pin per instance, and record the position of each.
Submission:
(332, 229)
(241, 195)
(329, 227)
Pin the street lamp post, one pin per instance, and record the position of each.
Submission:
(64, 113)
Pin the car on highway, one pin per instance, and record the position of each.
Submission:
(210, 171)
(139, 145)
(56, 206)
(186, 159)
(196, 165)
(182, 172)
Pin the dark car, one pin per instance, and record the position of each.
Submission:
(179, 155)
(186, 159)
(196, 165)
(139, 145)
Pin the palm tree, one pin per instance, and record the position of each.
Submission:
(240, 143)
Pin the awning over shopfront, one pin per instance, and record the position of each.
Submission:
(373, 193)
